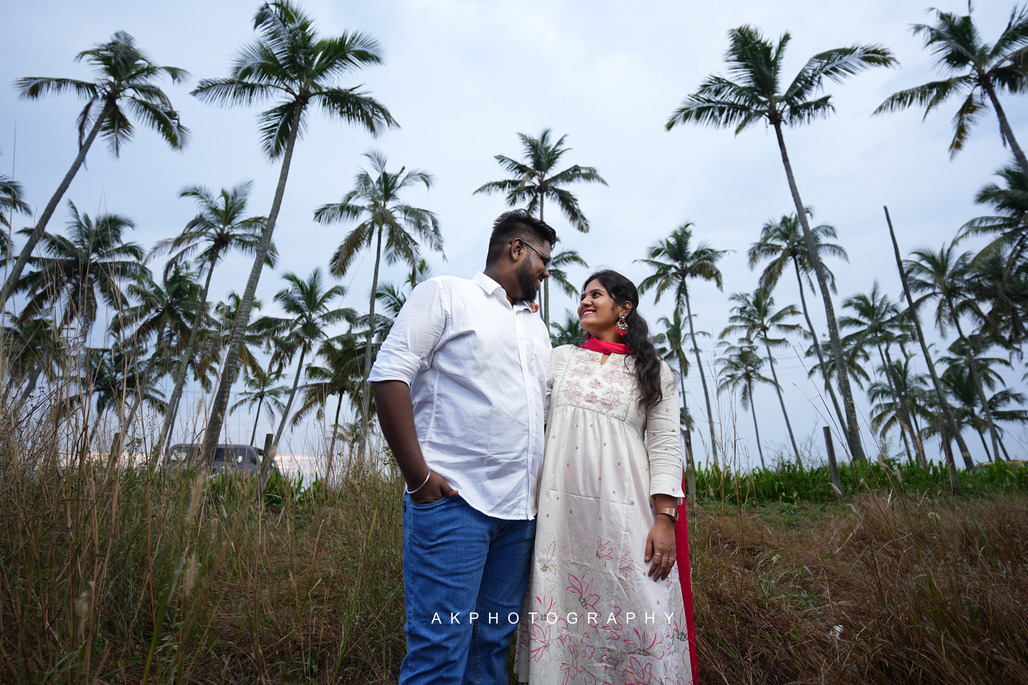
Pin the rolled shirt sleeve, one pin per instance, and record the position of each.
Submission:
(414, 336)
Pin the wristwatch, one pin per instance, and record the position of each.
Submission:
(669, 511)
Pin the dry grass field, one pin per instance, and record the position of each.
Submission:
(114, 575)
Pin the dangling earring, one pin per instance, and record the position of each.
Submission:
(622, 326)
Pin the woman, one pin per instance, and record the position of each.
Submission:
(605, 602)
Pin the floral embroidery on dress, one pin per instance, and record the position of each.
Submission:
(604, 551)
(586, 597)
(626, 564)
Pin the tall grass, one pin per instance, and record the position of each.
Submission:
(136, 575)
(125, 574)
(883, 590)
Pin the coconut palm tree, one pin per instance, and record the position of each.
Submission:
(339, 375)
(902, 402)
(878, 322)
(308, 306)
(741, 368)
(82, 269)
(674, 263)
(943, 276)
(164, 314)
(393, 226)
(126, 83)
(947, 426)
(1002, 298)
(1008, 229)
(963, 391)
(756, 95)
(108, 376)
(855, 357)
(535, 180)
(290, 64)
(781, 243)
(980, 71)
(33, 348)
(219, 227)
(754, 316)
(261, 389)
(11, 203)
(208, 363)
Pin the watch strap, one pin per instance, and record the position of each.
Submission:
(669, 511)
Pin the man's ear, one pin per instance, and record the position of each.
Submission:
(517, 249)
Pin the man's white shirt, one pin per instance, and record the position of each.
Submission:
(476, 367)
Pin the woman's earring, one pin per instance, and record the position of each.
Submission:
(622, 326)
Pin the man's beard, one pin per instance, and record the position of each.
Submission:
(528, 282)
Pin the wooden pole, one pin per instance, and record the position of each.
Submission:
(266, 462)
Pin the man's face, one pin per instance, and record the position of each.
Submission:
(532, 271)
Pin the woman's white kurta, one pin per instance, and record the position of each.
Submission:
(592, 615)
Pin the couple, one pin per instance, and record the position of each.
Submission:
(488, 427)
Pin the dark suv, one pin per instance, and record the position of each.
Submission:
(228, 458)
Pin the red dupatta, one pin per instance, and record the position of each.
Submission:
(604, 347)
(685, 578)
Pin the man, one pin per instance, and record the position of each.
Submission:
(460, 384)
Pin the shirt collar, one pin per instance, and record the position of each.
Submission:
(493, 288)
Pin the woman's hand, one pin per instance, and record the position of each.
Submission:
(660, 548)
(434, 489)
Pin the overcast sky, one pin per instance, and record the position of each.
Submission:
(463, 77)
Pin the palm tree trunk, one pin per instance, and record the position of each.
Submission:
(1006, 455)
(332, 444)
(947, 416)
(852, 427)
(256, 419)
(546, 283)
(756, 428)
(703, 380)
(292, 394)
(985, 445)
(781, 401)
(179, 378)
(817, 349)
(1004, 127)
(369, 345)
(231, 365)
(37, 232)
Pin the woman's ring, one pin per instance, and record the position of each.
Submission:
(657, 554)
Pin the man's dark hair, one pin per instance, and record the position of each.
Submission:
(518, 223)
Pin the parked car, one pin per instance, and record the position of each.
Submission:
(228, 458)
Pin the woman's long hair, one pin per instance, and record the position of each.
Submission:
(647, 363)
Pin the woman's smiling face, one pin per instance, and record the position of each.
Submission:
(598, 313)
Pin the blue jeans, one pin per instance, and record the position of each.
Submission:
(464, 575)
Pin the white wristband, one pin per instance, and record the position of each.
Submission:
(411, 492)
